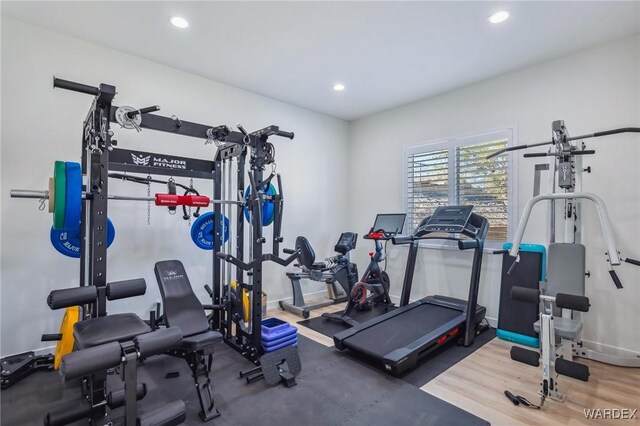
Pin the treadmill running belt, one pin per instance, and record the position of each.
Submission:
(399, 331)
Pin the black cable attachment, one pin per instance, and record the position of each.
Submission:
(171, 189)
(518, 400)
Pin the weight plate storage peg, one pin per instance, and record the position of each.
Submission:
(268, 208)
(202, 230)
(60, 183)
(67, 242)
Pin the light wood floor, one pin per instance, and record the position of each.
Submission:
(476, 384)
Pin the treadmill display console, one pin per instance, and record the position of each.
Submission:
(450, 219)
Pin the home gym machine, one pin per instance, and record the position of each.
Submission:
(372, 291)
(563, 292)
(82, 207)
(413, 330)
(335, 271)
(263, 205)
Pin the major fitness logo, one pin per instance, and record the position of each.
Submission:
(140, 160)
(610, 414)
(173, 275)
(157, 161)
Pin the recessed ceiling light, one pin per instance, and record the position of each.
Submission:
(338, 87)
(498, 17)
(179, 21)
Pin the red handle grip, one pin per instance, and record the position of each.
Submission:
(170, 200)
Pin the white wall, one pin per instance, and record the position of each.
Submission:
(591, 90)
(41, 125)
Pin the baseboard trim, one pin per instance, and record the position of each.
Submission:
(274, 304)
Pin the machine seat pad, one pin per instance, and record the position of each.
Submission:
(110, 328)
(201, 341)
(565, 328)
(318, 265)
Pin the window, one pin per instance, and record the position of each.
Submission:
(456, 172)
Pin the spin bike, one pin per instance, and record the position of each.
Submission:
(372, 291)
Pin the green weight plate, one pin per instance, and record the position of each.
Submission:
(60, 178)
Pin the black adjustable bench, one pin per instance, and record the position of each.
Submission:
(183, 309)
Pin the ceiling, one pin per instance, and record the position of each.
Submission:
(385, 53)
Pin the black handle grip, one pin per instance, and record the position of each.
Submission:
(573, 302)
(51, 337)
(525, 294)
(535, 154)
(512, 397)
(221, 255)
(284, 134)
(288, 251)
(615, 279)
(616, 131)
(400, 239)
(146, 110)
(584, 152)
(500, 251)
(467, 244)
(208, 289)
(75, 87)
(632, 261)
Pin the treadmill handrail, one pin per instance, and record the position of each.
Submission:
(408, 239)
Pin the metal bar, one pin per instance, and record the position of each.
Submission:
(607, 232)
(217, 279)
(40, 195)
(182, 127)
(120, 167)
(474, 285)
(408, 273)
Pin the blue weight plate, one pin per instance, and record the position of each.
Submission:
(73, 196)
(268, 208)
(202, 231)
(68, 242)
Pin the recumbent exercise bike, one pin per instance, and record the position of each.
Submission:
(336, 269)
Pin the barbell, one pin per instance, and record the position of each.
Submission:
(65, 197)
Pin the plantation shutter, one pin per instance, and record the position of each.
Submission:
(457, 172)
(427, 184)
(484, 184)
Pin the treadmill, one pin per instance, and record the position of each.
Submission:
(398, 339)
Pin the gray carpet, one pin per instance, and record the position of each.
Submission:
(331, 390)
